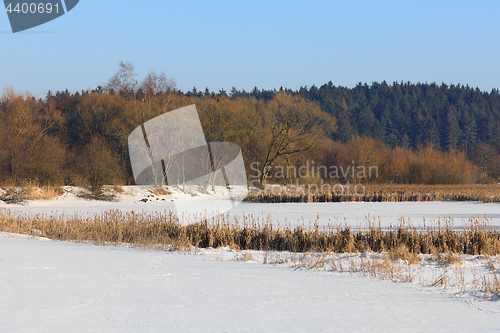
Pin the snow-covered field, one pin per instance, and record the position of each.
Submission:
(53, 286)
(49, 286)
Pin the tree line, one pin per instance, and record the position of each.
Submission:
(420, 133)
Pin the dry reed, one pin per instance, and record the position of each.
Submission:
(377, 193)
(402, 242)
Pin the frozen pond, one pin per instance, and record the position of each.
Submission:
(354, 214)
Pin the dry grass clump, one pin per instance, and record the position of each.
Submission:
(30, 192)
(246, 256)
(118, 189)
(102, 194)
(447, 258)
(490, 264)
(45, 192)
(401, 252)
(377, 193)
(160, 191)
(491, 284)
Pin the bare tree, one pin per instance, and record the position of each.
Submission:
(124, 81)
(158, 87)
(284, 126)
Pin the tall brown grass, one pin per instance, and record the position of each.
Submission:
(378, 193)
(404, 241)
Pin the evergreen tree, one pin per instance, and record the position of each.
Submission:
(469, 138)
(453, 132)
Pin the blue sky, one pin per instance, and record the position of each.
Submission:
(268, 44)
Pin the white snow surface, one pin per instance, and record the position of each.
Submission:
(53, 286)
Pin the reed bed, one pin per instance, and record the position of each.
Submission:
(164, 229)
(376, 193)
